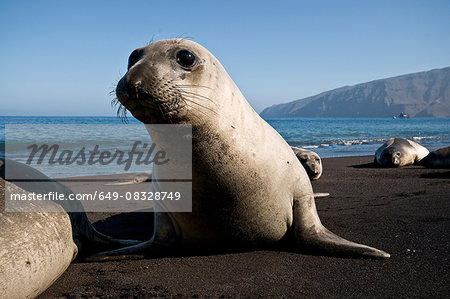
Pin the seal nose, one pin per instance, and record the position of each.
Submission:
(133, 89)
(317, 164)
(396, 158)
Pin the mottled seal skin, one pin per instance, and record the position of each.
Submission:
(239, 198)
(398, 152)
(37, 247)
(310, 161)
(439, 158)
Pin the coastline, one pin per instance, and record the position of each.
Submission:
(404, 211)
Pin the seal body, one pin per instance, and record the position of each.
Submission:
(310, 161)
(398, 152)
(35, 247)
(39, 239)
(238, 198)
(439, 158)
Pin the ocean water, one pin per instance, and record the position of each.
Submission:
(338, 137)
(18, 135)
(329, 137)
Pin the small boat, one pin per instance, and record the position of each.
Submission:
(403, 115)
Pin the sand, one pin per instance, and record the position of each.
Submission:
(405, 212)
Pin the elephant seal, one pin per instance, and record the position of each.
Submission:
(398, 152)
(310, 161)
(37, 247)
(135, 179)
(439, 158)
(238, 198)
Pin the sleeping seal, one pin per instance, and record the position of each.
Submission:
(398, 152)
(439, 158)
(37, 247)
(310, 161)
(238, 198)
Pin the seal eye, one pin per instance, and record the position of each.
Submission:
(186, 59)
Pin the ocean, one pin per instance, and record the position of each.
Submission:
(338, 137)
(329, 137)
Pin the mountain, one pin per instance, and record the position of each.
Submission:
(424, 94)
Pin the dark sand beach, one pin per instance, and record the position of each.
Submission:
(405, 212)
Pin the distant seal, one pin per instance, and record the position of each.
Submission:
(37, 247)
(439, 158)
(310, 161)
(137, 178)
(239, 198)
(398, 152)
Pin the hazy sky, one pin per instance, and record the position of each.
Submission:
(64, 57)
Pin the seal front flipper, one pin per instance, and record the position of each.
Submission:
(89, 240)
(311, 235)
(321, 194)
(162, 242)
(150, 248)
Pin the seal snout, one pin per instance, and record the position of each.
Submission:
(396, 158)
(391, 157)
(134, 89)
(131, 85)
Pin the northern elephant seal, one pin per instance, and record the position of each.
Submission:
(398, 152)
(37, 247)
(137, 178)
(238, 198)
(310, 161)
(439, 158)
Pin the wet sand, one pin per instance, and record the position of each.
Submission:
(405, 212)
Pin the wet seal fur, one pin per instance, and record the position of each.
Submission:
(311, 162)
(398, 152)
(37, 247)
(239, 199)
(439, 158)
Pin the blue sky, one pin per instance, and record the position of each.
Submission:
(64, 57)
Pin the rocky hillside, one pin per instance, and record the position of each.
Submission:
(424, 94)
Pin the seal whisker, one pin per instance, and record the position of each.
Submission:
(193, 93)
(196, 96)
(165, 113)
(121, 110)
(198, 104)
(191, 85)
(187, 101)
(198, 116)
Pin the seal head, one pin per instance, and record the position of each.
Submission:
(167, 81)
(311, 162)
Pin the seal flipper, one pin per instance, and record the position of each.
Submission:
(88, 239)
(150, 248)
(309, 232)
(321, 194)
(161, 243)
